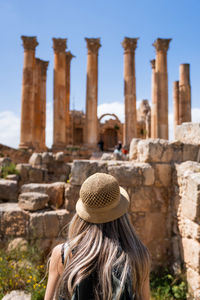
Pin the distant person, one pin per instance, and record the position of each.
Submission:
(119, 146)
(102, 258)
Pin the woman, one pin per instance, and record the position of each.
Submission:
(103, 258)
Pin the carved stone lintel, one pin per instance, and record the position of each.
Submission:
(69, 56)
(162, 44)
(59, 45)
(29, 42)
(93, 44)
(153, 63)
(129, 44)
(44, 66)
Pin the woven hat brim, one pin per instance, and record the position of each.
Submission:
(106, 214)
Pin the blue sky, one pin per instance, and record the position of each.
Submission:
(111, 21)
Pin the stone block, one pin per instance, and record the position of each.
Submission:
(163, 175)
(55, 191)
(51, 224)
(149, 199)
(190, 152)
(191, 250)
(14, 221)
(36, 225)
(17, 295)
(32, 201)
(8, 190)
(59, 156)
(71, 196)
(126, 173)
(13, 177)
(82, 169)
(47, 158)
(5, 161)
(189, 229)
(148, 173)
(188, 167)
(35, 160)
(152, 150)
(24, 171)
(36, 175)
(19, 244)
(133, 151)
(107, 156)
(188, 133)
(64, 217)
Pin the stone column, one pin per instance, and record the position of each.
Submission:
(176, 103)
(130, 124)
(93, 45)
(154, 108)
(44, 66)
(59, 123)
(37, 111)
(184, 94)
(161, 88)
(69, 57)
(27, 106)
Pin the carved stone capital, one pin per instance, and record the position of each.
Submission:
(44, 65)
(29, 42)
(153, 63)
(69, 56)
(93, 45)
(162, 44)
(129, 44)
(59, 45)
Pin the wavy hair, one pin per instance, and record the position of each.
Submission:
(103, 247)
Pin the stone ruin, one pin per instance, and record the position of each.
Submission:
(162, 179)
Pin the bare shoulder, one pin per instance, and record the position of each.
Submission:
(56, 260)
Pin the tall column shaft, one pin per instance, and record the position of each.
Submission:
(44, 66)
(27, 106)
(154, 109)
(184, 94)
(37, 113)
(69, 57)
(59, 123)
(130, 125)
(161, 88)
(93, 46)
(176, 103)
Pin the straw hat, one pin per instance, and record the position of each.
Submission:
(101, 199)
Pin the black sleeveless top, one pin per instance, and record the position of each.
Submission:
(84, 290)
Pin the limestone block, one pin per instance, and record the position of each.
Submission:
(149, 199)
(133, 153)
(17, 295)
(64, 219)
(24, 171)
(190, 152)
(8, 190)
(126, 173)
(163, 175)
(148, 173)
(189, 229)
(13, 177)
(71, 196)
(18, 243)
(55, 191)
(152, 150)
(188, 133)
(188, 167)
(5, 161)
(82, 169)
(35, 160)
(32, 201)
(14, 221)
(36, 225)
(191, 250)
(51, 224)
(36, 175)
(59, 156)
(107, 156)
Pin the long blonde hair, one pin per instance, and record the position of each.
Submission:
(104, 247)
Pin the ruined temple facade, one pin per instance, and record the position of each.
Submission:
(76, 128)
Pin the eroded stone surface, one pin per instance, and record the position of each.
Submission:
(17, 295)
(32, 201)
(8, 190)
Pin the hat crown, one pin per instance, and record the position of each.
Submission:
(100, 190)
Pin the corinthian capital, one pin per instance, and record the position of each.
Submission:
(69, 56)
(162, 44)
(129, 44)
(93, 45)
(44, 65)
(29, 42)
(59, 45)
